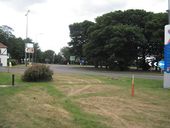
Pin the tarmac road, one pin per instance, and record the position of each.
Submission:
(71, 69)
(92, 71)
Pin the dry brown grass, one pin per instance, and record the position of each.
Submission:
(78, 85)
(120, 109)
(122, 112)
(35, 107)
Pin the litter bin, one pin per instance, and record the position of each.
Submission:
(0, 64)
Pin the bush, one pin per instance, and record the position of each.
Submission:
(13, 62)
(37, 73)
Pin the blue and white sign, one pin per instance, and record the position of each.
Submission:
(161, 64)
(167, 57)
(167, 49)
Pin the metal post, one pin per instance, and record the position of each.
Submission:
(169, 11)
(26, 35)
(13, 79)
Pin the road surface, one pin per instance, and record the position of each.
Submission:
(71, 69)
(93, 71)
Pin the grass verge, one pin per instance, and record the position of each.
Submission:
(84, 101)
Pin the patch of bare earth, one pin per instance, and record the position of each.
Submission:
(35, 107)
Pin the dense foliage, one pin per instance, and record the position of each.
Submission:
(16, 47)
(120, 39)
(37, 73)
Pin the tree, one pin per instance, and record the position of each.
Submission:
(114, 46)
(78, 34)
(119, 29)
(94, 50)
(38, 54)
(59, 59)
(66, 53)
(121, 48)
(49, 56)
(16, 49)
(15, 45)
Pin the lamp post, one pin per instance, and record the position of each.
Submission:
(26, 36)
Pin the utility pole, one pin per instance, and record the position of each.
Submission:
(26, 36)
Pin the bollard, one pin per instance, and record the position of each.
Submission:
(13, 79)
(133, 88)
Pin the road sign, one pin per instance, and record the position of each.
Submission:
(150, 64)
(167, 57)
(153, 64)
(167, 49)
(161, 64)
(29, 50)
(29, 45)
(72, 58)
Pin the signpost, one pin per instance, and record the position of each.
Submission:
(30, 50)
(167, 52)
(72, 59)
(167, 57)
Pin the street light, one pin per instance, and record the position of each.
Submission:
(26, 36)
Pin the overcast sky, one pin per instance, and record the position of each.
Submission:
(49, 19)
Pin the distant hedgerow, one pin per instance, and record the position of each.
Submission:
(37, 73)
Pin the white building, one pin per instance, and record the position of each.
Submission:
(3, 55)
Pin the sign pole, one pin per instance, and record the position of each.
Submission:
(167, 52)
(167, 57)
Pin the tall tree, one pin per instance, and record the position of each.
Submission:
(149, 36)
(66, 53)
(49, 56)
(78, 34)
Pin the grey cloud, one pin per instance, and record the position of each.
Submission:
(109, 6)
(21, 5)
(92, 7)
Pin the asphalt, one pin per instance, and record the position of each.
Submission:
(73, 69)
(92, 71)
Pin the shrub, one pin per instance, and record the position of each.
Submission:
(13, 62)
(37, 73)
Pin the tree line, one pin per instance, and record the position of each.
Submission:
(118, 39)
(16, 48)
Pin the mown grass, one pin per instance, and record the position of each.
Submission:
(81, 118)
(83, 101)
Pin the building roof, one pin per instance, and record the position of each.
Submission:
(2, 45)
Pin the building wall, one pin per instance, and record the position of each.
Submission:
(3, 56)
